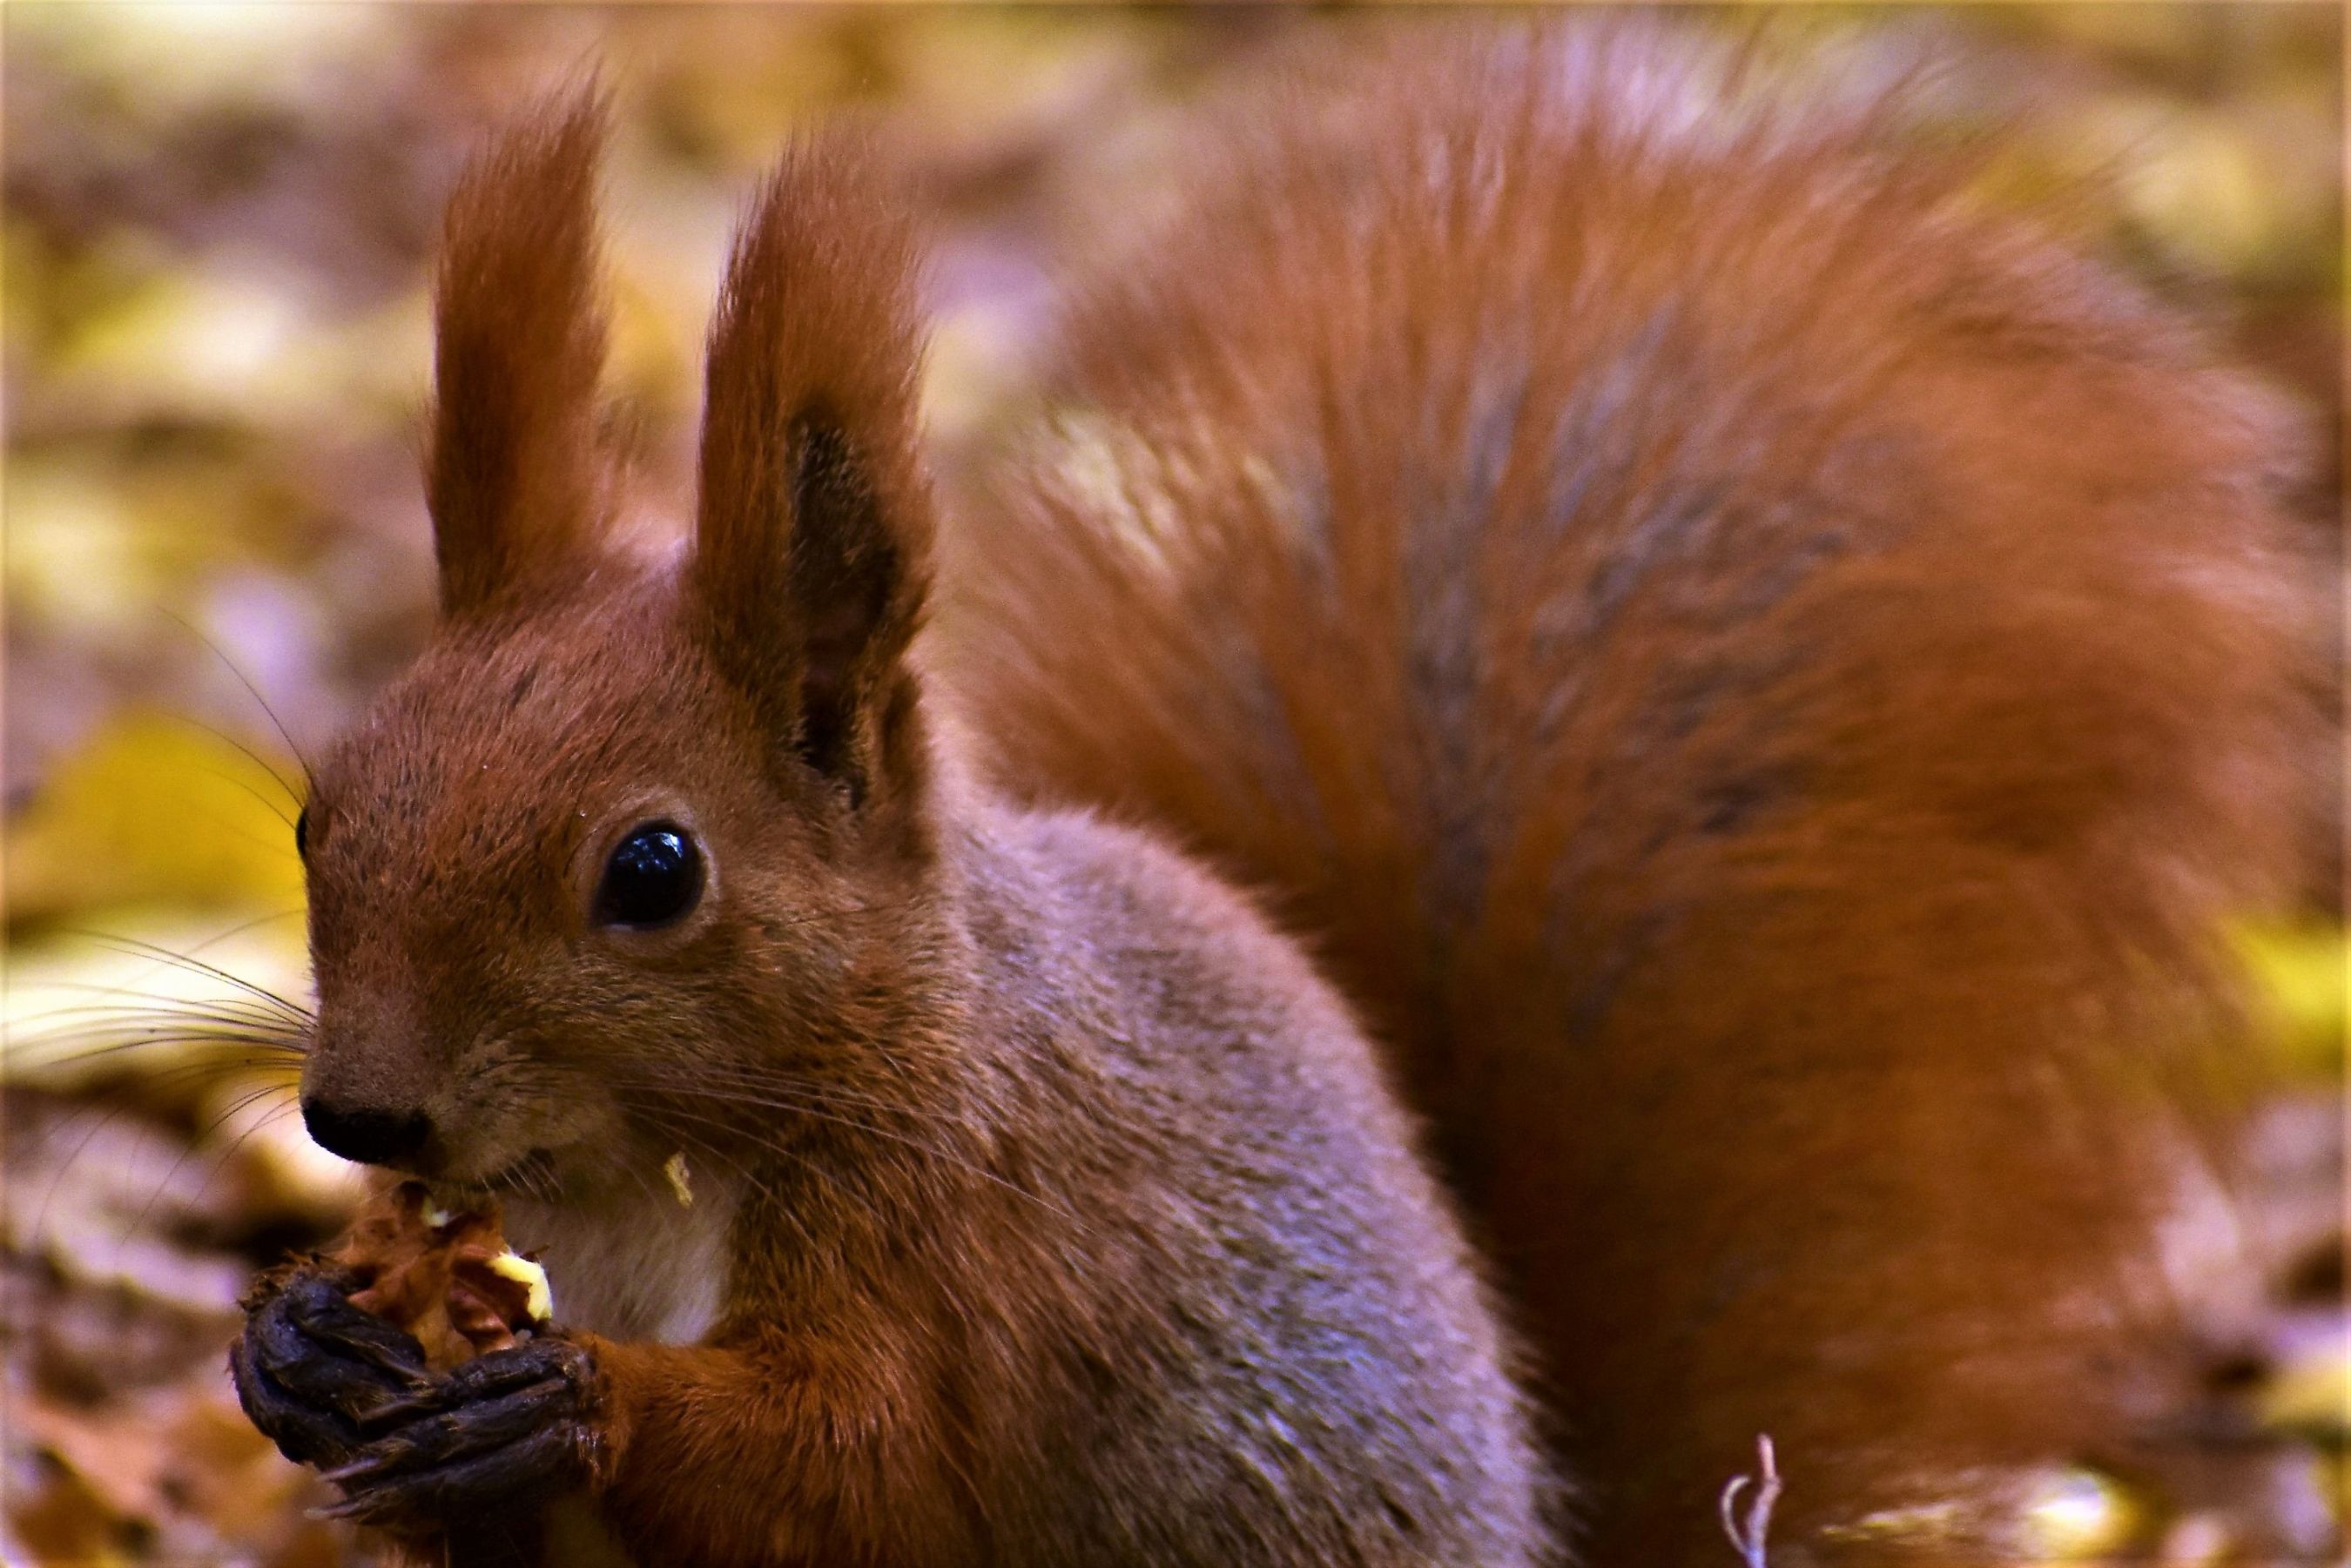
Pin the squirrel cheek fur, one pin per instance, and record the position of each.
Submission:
(1067, 1215)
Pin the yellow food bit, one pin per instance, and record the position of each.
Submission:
(540, 1302)
(675, 1170)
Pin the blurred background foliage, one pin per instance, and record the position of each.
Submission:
(218, 220)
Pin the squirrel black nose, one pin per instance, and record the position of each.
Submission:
(370, 1136)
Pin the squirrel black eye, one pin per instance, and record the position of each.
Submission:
(653, 878)
(302, 832)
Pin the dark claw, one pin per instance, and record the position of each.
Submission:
(537, 1466)
(504, 1427)
(458, 1433)
(544, 1360)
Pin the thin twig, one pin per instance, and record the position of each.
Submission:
(1749, 1535)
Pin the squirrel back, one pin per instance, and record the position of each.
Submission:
(1768, 682)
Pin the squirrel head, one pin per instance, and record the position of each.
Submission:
(628, 828)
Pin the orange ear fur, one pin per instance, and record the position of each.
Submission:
(513, 478)
(813, 532)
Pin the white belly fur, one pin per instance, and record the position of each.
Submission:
(646, 1268)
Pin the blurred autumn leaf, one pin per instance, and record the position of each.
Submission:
(2302, 977)
(152, 808)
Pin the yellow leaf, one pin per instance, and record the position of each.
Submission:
(74, 1002)
(2301, 975)
(2310, 1396)
(157, 809)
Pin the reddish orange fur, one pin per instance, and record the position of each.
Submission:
(518, 326)
(1768, 682)
(817, 326)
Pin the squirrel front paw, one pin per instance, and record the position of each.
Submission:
(341, 1388)
(513, 1426)
(312, 1369)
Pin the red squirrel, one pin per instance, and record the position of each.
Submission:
(1748, 685)
(1046, 1206)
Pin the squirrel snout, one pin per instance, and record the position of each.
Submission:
(364, 1133)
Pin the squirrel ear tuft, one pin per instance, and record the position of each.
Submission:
(515, 478)
(813, 529)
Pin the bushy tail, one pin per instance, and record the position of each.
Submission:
(1549, 451)
(1762, 680)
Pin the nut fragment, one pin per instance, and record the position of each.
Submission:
(446, 1278)
(538, 1302)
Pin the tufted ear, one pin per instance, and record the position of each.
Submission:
(514, 477)
(813, 531)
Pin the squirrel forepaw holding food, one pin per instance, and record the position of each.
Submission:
(414, 1365)
(513, 1426)
(312, 1369)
